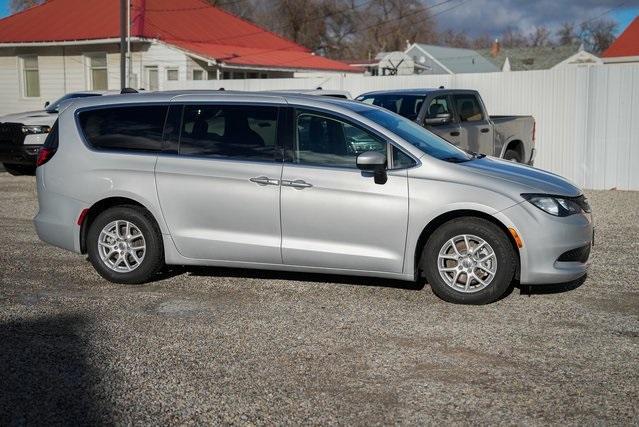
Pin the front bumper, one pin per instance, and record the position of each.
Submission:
(19, 154)
(546, 240)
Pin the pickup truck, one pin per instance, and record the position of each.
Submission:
(22, 134)
(460, 117)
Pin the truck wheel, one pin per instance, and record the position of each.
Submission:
(512, 155)
(125, 245)
(469, 260)
(17, 170)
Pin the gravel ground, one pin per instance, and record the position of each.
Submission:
(252, 347)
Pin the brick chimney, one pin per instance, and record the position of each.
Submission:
(495, 49)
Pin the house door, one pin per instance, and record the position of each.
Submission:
(152, 78)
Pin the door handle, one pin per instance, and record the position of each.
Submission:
(297, 184)
(454, 133)
(264, 180)
(484, 130)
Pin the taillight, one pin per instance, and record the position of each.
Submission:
(44, 155)
(534, 130)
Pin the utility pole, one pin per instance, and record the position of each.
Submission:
(123, 31)
(129, 62)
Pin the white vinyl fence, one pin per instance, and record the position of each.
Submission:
(587, 117)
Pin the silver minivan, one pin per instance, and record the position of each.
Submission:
(299, 183)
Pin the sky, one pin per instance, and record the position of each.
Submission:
(492, 17)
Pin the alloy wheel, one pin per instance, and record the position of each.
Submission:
(467, 263)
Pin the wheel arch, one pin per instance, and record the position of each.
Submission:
(436, 222)
(516, 145)
(102, 205)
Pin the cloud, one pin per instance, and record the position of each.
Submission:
(492, 17)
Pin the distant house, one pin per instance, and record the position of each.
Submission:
(431, 59)
(626, 47)
(538, 58)
(63, 46)
(395, 63)
(425, 59)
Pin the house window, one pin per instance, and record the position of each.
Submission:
(172, 74)
(239, 75)
(263, 76)
(226, 75)
(98, 71)
(31, 76)
(252, 75)
(198, 74)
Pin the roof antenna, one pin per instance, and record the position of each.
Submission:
(442, 87)
(221, 88)
(318, 88)
(128, 90)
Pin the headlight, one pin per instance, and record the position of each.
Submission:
(557, 205)
(35, 129)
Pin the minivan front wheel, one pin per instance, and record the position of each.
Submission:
(124, 245)
(469, 261)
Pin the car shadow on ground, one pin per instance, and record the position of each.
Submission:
(291, 276)
(529, 290)
(46, 376)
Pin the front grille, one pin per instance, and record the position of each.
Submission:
(576, 255)
(11, 133)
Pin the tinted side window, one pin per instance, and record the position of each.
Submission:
(468, 108)
(437, 106)
(404, 105)
(136, 128)
(53, 137)
(235, 132)
(329, 142)
(401, 160)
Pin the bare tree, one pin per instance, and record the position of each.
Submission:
(18, 5)
(597, 35)
(386, 25)
(541, 37)
(513, 38)
(483, 41)
(454, 38)
(566, 33)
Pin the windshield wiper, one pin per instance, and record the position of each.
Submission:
(476, 155)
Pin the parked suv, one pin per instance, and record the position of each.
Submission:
(299, 183)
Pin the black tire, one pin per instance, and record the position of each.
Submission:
(17, 170)
(491, 234)
(512, 155)
(153, 260)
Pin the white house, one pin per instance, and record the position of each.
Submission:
(63, 46)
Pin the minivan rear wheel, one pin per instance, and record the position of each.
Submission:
(124, 245)
(469, 261)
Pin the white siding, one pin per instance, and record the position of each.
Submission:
(587, 116)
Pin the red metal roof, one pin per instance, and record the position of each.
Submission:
(192, 25)
(627, 44)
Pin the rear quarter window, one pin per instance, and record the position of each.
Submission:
(129, 128)
(52, 138)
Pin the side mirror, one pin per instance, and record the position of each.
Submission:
(375, 162)
(46, 104)
(439, 119)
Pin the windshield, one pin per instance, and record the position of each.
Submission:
(55, 107)
(404, 105)
(416, 135)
